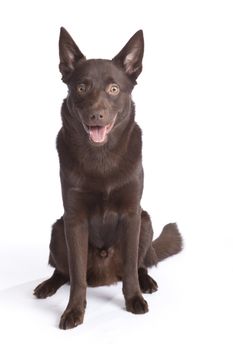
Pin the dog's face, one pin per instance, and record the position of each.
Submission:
(99, 96)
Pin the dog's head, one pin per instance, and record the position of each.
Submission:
(99, 91)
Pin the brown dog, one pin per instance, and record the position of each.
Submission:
(104, 236)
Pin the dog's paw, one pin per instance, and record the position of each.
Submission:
(147, 284)
(45, 289)
(71, 318)
(137, 305)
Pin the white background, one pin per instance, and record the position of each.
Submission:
(185, 109)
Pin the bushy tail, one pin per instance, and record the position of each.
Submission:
(168, 243)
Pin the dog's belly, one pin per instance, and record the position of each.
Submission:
(104, 229)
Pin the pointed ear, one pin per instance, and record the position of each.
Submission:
(69, 54)
(130, 57)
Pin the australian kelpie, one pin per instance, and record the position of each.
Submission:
(104, 236)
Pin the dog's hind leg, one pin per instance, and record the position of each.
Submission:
(58, 259)
(152, 252)
(147, 284)
(50, 286)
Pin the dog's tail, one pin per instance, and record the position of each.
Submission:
(167, 244)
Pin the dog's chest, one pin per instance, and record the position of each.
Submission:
(103, 222)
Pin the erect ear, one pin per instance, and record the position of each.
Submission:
(130, 57)
(69, 54)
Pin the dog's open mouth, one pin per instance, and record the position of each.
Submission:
(97, 133)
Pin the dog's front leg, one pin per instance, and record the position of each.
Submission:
(131, 290)
(76, 232)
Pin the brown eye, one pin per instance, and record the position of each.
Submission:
(113, 89)
(81, 89)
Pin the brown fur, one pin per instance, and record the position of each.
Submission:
(104, 236)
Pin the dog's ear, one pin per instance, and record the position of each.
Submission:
(130, 57)
(69, 54)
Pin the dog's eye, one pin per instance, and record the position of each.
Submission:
(113, 89)
(81, 89)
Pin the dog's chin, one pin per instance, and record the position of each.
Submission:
(98, 135)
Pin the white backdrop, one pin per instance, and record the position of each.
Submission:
(185, 109)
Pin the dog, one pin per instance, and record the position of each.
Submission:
(104, 235)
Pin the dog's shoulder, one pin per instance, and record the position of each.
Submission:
(135, 142)
(63, 149)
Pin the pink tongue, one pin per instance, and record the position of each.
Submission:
(98, 133)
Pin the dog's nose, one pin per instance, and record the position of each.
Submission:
(97, 116)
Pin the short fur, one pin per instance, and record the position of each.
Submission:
(104, 236)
